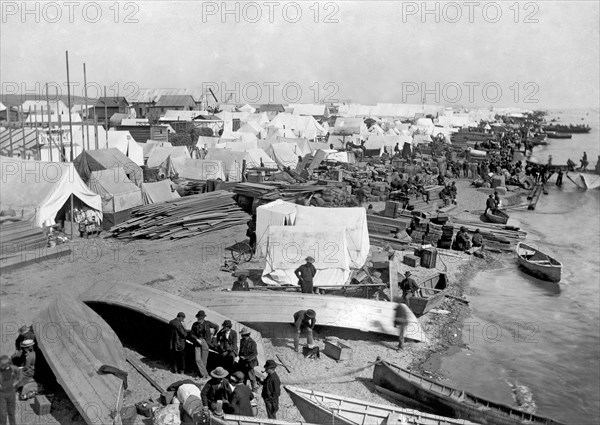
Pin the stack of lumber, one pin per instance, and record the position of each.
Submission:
(495, 236)
(184, 217)
(20, 235)
(254, 190)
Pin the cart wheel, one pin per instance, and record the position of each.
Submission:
(243, 254)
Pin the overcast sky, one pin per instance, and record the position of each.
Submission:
(535, 54)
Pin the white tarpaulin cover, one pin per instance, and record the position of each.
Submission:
(158, 192)
(288, 247)
(353, 219)
(40, 189)
(159, 154)
(284, 154)
(276, 213)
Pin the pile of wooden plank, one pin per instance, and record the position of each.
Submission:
(184, 217)
(20, 235)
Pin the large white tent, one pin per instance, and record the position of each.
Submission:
(37, 190)
(124, 141)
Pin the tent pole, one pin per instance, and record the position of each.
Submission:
(106, 116)
(96, 131)
(9, 129)
(37, 135)
(87, 127)
(50, 119)
(60, 135)
(69, 104)
(72, 217)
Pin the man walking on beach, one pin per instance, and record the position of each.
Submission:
(9, 379)
(202, 332)
(401, 320)
(177, 343)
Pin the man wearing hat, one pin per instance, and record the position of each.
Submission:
(241, 284)
(241, 397)
(490, 204)
(408, 286)
(271, 389)
(304, 319)
(216, 391)
(227, 345)
(177, 343)
(202, 336)
(25, 332)
(306, 273)
(462, 241)
(248, 356)
(10, 377)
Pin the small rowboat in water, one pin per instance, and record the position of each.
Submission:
(449, 401)
(324, 408)
(497, 216)
(538, 264)
(432, 293)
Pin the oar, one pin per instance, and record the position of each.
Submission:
(462, 300)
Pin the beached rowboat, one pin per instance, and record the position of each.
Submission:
(342, 312)
(497, 216)
(432, 293)
(76, 342)
(325, 408)
(538, 264)
(248, 420)
(555, 135)
(153, 303)
(449, 401)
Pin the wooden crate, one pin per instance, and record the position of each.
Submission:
(41, 405)
(411, 260)
(338, 351)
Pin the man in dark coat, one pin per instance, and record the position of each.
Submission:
(462, 241)
(241, 397)
(401, 321)
(409, 287)
(202, 336)
(306, 273)
(490, 204)
(304, 319)
(248, 357)
(177, 343)
(216, 391)
(477, 239)
(271, 389)
(241, 284)
(227, 345)
(10, 376)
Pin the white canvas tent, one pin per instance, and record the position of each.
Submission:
(38, 190)
(118, 193)
(158, 155)
(123, 141)
(161, 191)
(284, 154)
(198, 169)
(150, 145)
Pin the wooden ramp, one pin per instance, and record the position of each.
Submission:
(160, 305)
(75, 342)
(341, 312)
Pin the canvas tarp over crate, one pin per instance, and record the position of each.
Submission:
(158, 192)
(353, 219)
(117, 191)
(288, 247)
(38, 190)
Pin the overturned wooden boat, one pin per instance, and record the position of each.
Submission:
(156, 304)
(341, 312)
(432, 293)
(249, 420)
(76, 342)
(325, 408)
(449, 401)
(497, 216)
(585, 180)
(538, 264)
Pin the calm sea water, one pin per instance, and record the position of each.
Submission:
(541, 335)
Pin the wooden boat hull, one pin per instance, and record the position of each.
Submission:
(559, 136)
(248, 420)
(430, 298)
(498, 217)
(324, 408)
(448, 401)
(538, 264)
(353, 313)
(159, 305)
(75, 342)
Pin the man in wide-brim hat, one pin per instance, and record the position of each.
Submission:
(216, 391)
(304, 320)
(248, 357)
(271, 389)
(227, 345)
(306, 274)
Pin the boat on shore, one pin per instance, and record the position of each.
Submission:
(432, 293)
(562, 128)
(249, 420)
(556, 135)
(75, 346)
(449, 401)
(132, 300)
(585, 180)
(341, 312)
(538, 264)
(324, 408)
(497, 216)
